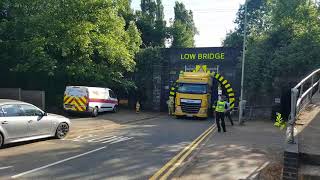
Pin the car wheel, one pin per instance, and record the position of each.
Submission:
(115, 109)
(95, 112)
(1, 140)
(62, 130)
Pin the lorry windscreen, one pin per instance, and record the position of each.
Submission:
(192, 88)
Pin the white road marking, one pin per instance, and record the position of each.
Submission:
(114, 139)
(6, 167)
(99, 138)
(106, 138)
(124, 139)
(80, 138)
(58, 162)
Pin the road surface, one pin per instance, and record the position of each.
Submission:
(131, 151)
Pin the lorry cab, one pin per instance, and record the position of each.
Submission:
(83, 99)
(193, 97)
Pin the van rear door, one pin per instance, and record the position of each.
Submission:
(75, 98)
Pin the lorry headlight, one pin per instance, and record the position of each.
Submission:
(178, 109)
(203, 111)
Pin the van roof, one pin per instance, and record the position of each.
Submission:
(89, 87)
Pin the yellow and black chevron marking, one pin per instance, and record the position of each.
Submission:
(226, 85)
(77, 103)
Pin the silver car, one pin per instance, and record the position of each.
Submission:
(20, 121)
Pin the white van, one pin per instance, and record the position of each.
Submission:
(89, 99)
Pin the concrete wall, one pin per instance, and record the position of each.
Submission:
(36, 98)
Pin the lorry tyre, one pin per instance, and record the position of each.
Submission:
(1, 140)
(95, 112)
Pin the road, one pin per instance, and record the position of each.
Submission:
(131, 151)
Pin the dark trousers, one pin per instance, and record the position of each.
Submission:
(220, 118)
(228, 115)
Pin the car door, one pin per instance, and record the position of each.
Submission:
(39, 124)
(13, 122)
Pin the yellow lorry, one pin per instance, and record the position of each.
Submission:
(193, 96)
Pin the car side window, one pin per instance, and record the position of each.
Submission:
(30, 110)
(11, 111)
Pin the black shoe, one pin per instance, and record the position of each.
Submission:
(219, 130)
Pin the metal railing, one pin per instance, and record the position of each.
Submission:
(301, 95)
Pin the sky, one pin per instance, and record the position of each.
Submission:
(213, 18)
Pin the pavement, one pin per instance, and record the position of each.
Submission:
(241, 153)
(308, 128)
(112, 146)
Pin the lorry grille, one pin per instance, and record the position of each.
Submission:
(190, 107)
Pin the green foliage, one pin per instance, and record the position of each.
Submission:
(279, 122)
(150, 21)
(283, 44)
(183, 29)
(88, 42)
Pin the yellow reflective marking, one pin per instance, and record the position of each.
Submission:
(79, 102)
(221, 78)
(217, 75)
(76, 105)
(69, 100)
(65, 97)
(232, 106)
(231, 100)
(224, 82)
(229, 90)
(197, 68)
(204, 68)
(231, 94)
(227, 86)
(84, 99)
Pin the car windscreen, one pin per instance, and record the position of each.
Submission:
(192, 88)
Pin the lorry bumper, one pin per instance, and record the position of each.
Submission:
(199, 115)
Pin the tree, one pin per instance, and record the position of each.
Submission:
(258, 20)
(282, 50)
(183, 29)
(88, 42)
(150, 21)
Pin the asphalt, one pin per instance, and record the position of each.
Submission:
(144, 147)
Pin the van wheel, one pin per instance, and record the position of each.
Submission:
(1, 140)
(115, 109)
(95, 112)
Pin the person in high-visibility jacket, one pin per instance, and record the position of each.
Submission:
(172, 96)
(220, 110)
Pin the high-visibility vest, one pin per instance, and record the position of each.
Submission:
(221, 106)
(172, 91)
